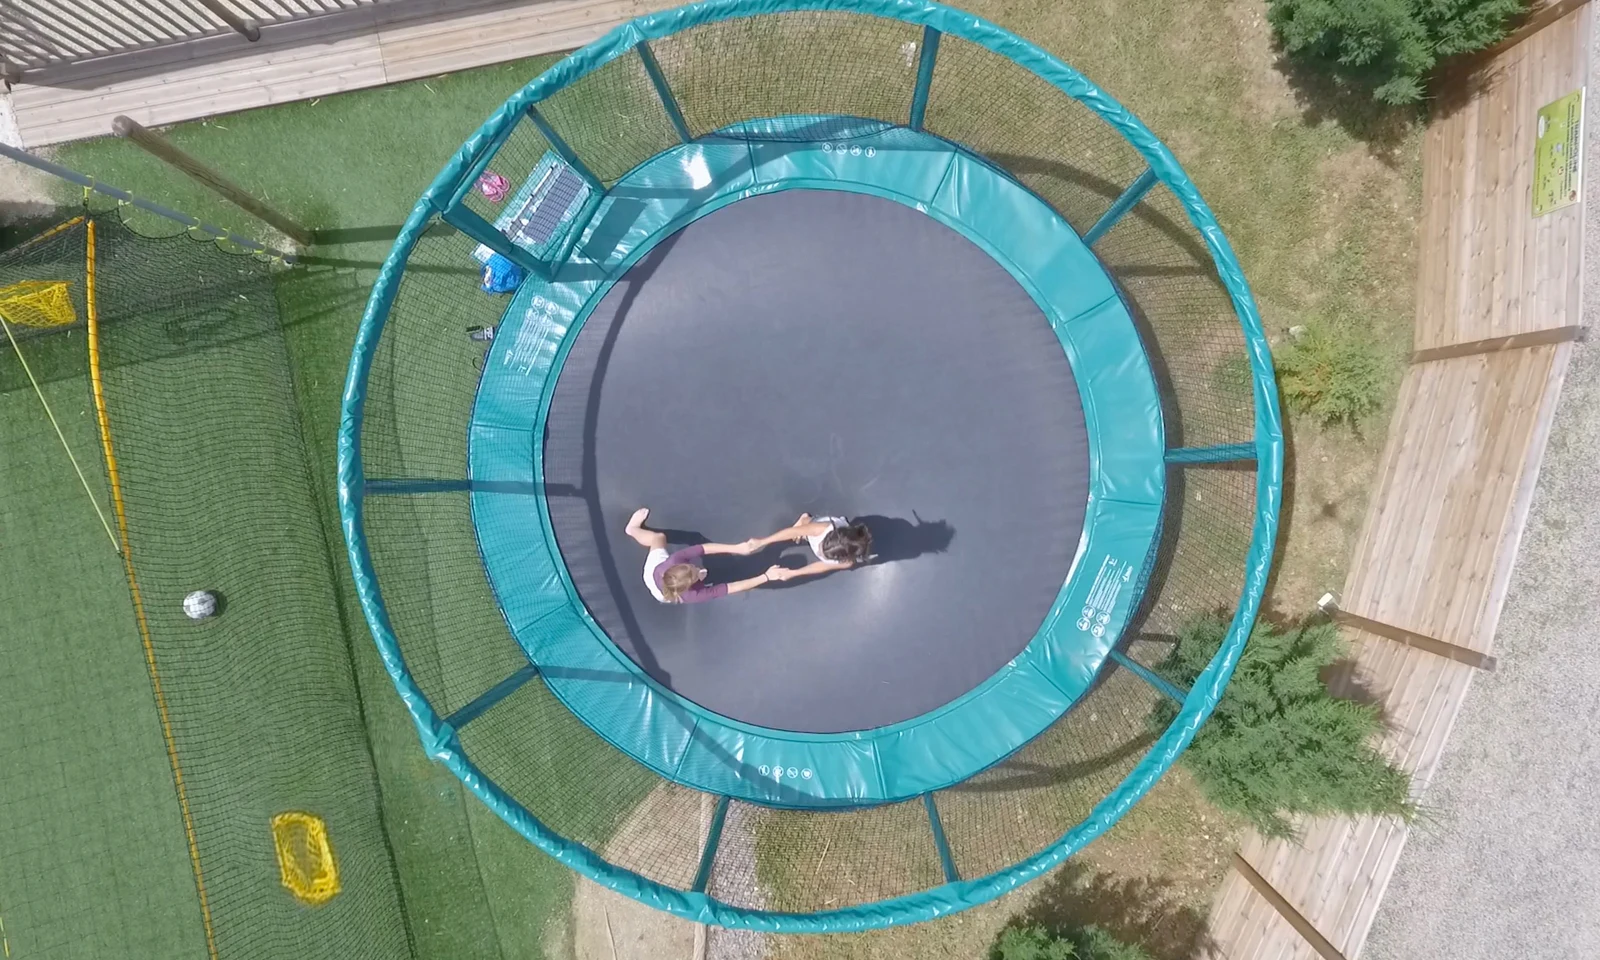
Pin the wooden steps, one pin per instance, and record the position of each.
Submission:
(365, 47)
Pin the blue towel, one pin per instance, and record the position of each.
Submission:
(501, 275)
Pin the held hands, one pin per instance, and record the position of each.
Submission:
(748, 547)
(777, 572)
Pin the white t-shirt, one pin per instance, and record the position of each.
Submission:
(833, 523)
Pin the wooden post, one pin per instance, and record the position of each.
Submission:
(157, 145)
(241, 25)
(1286, 910)
(1516, 341)
(1329, 604)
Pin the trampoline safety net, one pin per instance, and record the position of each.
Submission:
(681, 76)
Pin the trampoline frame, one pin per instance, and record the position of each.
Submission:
(443, 198)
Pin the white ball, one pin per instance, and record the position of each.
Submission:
(200, 604)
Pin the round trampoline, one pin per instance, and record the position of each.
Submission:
(767, 259)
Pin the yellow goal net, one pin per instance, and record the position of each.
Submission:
(38, 303)
(305, 857)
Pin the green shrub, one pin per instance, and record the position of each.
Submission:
(1279, 742)
(1388, 46)
(1084, 943)
(1332, 377)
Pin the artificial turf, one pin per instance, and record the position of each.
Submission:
(93, 861)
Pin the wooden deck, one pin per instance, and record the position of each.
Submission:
(1455, 482)
(366, 46)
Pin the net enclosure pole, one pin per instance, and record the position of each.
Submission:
(563, 151)
(669, 102)
(122, 196)
(947, 860)
(1149, 676)
(158, 146)
(919, 99)
(481, 230)
(1130, 198)
(708, 856)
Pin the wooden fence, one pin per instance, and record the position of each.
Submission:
(1498, 306)
(37, 34)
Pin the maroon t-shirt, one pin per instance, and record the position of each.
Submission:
(700, 592)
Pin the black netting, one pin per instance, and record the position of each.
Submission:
(262, 836)
(811, 63)
(1187, 321)
(1053, 144)
(612, 118)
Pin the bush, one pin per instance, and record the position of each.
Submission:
(1330, 377)
(1085, 943)
(1279, 743)
(1388, 46)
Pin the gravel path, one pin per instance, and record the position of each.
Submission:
(1507, 862)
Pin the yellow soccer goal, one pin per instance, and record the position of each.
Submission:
(38, 303)
(305, 857)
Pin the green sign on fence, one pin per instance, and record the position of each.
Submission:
(1558, 154)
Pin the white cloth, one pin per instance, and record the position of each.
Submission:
(655, 558)
(833, 523)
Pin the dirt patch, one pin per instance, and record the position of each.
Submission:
(1267, 94)
(609, 926)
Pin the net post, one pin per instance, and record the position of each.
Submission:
(156, 145)
(563, 151)
(919, 99)
(663, 90)
(411, 485)
(1149, 676)
(468, 222)
(947, 861)
(487, 699)
(1130, 198)
(1219, 453)
(708, 856)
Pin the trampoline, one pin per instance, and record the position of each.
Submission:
(1026, 377)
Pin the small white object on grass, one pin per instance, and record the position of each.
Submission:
(200, 605)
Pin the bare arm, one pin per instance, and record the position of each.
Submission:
(809, 570)
(740, 549)
(750, 583)
(799, 530)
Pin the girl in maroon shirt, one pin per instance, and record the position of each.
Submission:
(675, 578)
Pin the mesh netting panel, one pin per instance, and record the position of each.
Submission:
(1189, 325)
(792, 64)
(612, 118)
(1018, 807)
(454, 639)
(1053, 144)
(88, 818)
(515, 161)
(425, 368)
(564, 774)
(262, 700)
(1205, 537)
(791, 860)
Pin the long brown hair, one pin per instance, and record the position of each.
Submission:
(851, 544)
(678, 578)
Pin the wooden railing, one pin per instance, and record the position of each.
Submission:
(37, 34)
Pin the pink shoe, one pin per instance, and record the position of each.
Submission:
(494, 186)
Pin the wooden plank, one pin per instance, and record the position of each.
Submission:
(1515, 341)
(354, 49)
(1433, 645)
(1302, 926)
